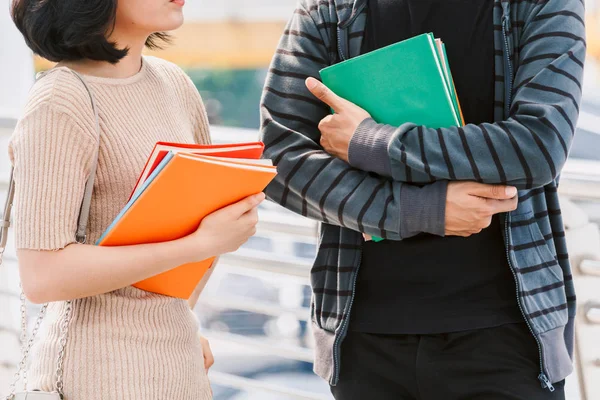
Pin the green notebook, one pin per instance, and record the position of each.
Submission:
(409, 81)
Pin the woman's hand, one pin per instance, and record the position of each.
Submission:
(337, 129)
(225, 230)
(209, 359)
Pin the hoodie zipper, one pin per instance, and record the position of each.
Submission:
(339, 43)
(507, 65)
(508, 78)
(546, 384)
(344, 328)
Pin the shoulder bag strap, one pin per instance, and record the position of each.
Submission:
(84, 212)
(80, 237)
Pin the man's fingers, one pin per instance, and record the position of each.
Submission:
(500, 206)
(498, 192)
(458, 233)
(324, 94)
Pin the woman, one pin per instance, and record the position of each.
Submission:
(122, 342)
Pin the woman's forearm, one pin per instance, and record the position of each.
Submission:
(84, 270)
(81, 271)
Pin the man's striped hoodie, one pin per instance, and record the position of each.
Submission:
(540, 51)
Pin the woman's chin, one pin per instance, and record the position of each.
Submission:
(171, 22)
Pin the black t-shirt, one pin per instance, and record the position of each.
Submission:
(431, 284)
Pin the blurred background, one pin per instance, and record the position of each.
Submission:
(255, 308)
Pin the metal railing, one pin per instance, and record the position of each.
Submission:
(252, 384)
(580, 179)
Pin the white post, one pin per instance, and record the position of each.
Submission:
(16, 66)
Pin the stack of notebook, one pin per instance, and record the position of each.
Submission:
(409, 81)
(179, 186)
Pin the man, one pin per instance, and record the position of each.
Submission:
(470, 296)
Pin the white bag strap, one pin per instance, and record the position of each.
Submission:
(5, 221)
(84, 212)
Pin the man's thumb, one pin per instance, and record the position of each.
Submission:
(323, 93)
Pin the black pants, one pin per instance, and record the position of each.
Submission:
(487, 364)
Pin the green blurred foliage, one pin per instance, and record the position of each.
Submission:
(231, 96)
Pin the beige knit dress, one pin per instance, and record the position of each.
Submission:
(127, 344)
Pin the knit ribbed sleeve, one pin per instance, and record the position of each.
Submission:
(52, 158)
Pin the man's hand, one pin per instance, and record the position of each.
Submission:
(470, 206)
(337, 129)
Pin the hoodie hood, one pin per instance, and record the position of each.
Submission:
(347, 10)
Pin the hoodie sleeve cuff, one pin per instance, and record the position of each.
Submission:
(423, 209)
(368, 149)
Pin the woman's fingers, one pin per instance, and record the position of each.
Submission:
(209, 359)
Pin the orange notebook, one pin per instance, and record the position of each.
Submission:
(171, 203)
(234, 150)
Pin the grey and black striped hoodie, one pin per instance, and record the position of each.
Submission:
(540, 51)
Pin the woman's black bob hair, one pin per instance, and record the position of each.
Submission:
(72, 30)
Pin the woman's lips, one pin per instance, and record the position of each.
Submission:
(178, 2)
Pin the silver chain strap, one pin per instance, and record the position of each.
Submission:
(64, 333)
(24, 334)
(26, 345)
